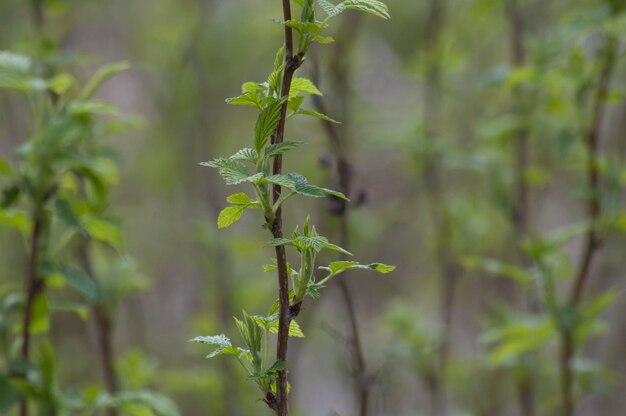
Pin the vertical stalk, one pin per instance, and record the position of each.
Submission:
(34, 286)
(434, 184)
(292, 63)
(525, 387)
(338, 208)
(592, 238)
(103, 330)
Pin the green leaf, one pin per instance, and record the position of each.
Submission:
(302, 242)
(499, 269)
(18, 220)
(249, 98)
(375, 7)
(335, 247)
(280, 148)
(295, 103)
(157, 403)
(5, 167)
(304, 28)
(233, 171)
(240, 198)
(92, 107)
(316, 114)
(9, 394)
(229, 215)
(40, 322)
(223, 344)
(247, 153)
(79, 309)
(104, 232)
(60, 83)
(278, 366)
(16, 73)
(266, 123)
(254, 86)
(337, 267)
(300, 185)
(82, 283)
(303, 85)
(280, 58)
(101, 76)
(294, 329)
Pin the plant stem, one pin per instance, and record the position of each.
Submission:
(338, 207)
(592, 239)
(434, 184)
(34, 286)
(292, 63)
(102, 325)
(524, 384)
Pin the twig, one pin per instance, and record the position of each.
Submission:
(338, 208)
(592, 239)
(102, 325)
(292, 63)
(434, 184)
(525, 386)
(33, 288)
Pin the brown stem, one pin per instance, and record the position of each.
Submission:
(518, 60)
(592, 239)
(338, 208)
(435, 185)
(34, 286)
(525, 386)
(292, 63)
(38, 15)
(102, 325)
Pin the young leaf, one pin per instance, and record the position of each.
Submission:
(101, 76)
(341, 266)
(280, 148)
(267, 123)
(229, 215)
(300, 185)
(316, 114)
(104, 231)
(82, 283)
(254, 86)
(240, 198)
(294, 329)
(233, 171)
(247, 153)
(303, 85)
(223, 344)
(249, 98)
(375, 7)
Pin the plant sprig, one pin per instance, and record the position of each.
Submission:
(278, 98)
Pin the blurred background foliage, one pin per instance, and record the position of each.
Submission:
(433, 103)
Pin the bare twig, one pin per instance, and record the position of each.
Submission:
(338, 208)
(434, 183)
(525, 386)
(102, 326)
(592, 239)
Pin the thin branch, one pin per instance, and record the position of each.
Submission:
(524, 384)
(338, 208)
(592, 239)
(34, 286)
(434, 183)
(102, 326)
(292, 63)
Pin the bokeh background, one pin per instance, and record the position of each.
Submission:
(432, 102)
